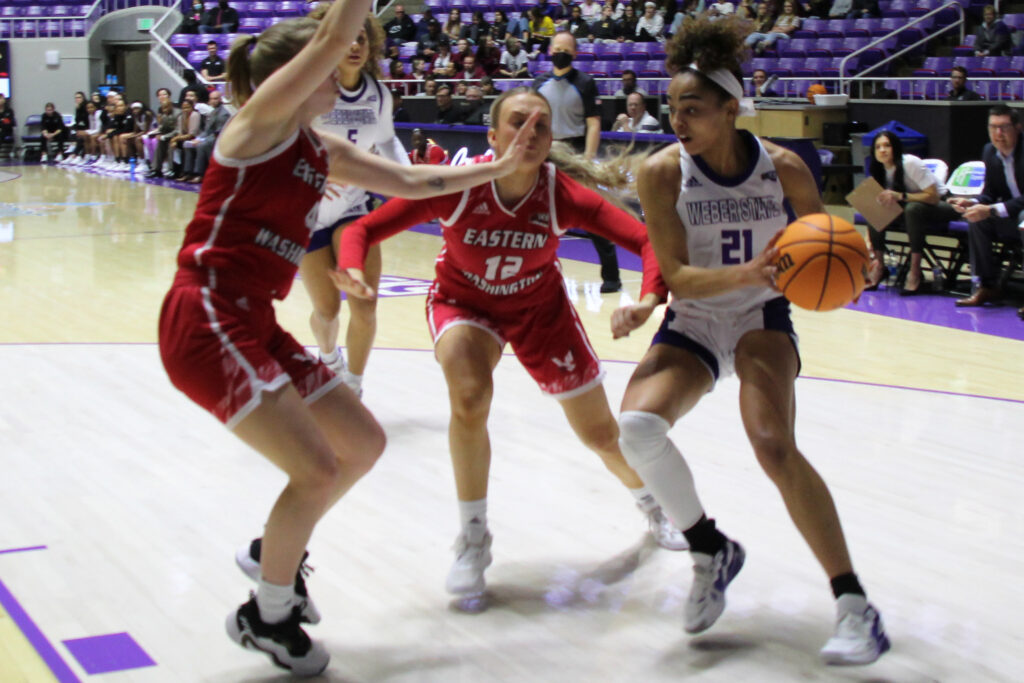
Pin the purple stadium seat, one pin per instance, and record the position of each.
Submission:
(898, 8)
(1001, 66)
(288, 8)
(852, 67)
(10, 11)
(935, 66)
(825, 47)
(461, 5)
(615, 68)
(905, 89)
(596, 69)
(1014, 21)
(406, 52)
(181, 41)
(966, 49)
(196, 57)
(834, 28)
(24, 29)
(639, 50)
(776, 69)
(608, 52)
(795, 47)
(1016, 89)
(607, 88)
(652, 68)
(809, 28)
(261, 9)
(813, 66)
(35, 12)
(506, 5)
(790, 64)
(480, 6)
(251, 25)
(73, 27)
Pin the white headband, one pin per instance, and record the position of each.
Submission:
(725, 79)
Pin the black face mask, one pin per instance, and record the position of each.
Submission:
(561, 60)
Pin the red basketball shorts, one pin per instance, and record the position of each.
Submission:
(546, 334)
(224, 350)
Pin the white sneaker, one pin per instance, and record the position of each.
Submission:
(338, 365)
(665, 532)
(711, 576)
(472, 557)
(286, 643)
(248, 560)
(860, 637)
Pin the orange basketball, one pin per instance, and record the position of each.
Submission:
(816, 89)
(822, 262)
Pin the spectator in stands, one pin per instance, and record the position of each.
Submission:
(992, 39)
(123, 125)
(187, 129)
(907, 181)
(476, 29)
(475, 111)
(958, 89)
(514, 60)
(542, 29)
(488, 55)
(221, 19)
(398, 112)
(80, 129)
(764, 21)
(7, 124)
(636, 119)
(101, 138)
(591, 11)
(193, 86)
(720, 9)
(746, 9)
(165, 130)
(446, 111)
(651, 26)
(562, 13)
(576, 120)
(460, 88)
(785, 24)
(629, 84)
(519, 28)
(396, 72)
(444, 65)
(863, 9)
(212, 68)
(760, 84)
(142, 122)
(419, 70)
(606, 29)
(816, 9)
(487, 87)
(628, 23)
(577, 25)
(453, 27)
(499, 27)
(197, 152)
(840, 9)
(430, 45)
(462, 48)
(995, 214)
(54, 133)
(430, 86)
(547, 9)
(91, 133)
(193, 12)
(426, 151)
(423, 25)
(401, 28)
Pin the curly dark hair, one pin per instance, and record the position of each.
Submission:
(712, 45)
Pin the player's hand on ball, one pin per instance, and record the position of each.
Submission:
(353, 282)
(628, 318)
(762, 268)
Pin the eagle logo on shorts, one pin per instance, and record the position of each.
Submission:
(567, 363)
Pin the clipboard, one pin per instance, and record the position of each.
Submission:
(864, 199)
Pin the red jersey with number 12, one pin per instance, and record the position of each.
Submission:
(255, 216)
(491, 250)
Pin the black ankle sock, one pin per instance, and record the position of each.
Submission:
(703, 537)
(847, 583)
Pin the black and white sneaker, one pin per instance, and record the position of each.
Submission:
(248, 560)
(285, 642)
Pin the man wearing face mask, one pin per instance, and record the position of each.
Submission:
(576, 120)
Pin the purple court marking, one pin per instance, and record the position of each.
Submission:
(36, 638)
(23, 550)
(112, 652)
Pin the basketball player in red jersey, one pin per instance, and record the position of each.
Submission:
(714, 208)
(498, 281)
(219, 340)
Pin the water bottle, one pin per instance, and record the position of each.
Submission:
(938, 279)
(131, 167)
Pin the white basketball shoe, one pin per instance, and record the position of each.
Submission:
(664, 531)
(860, 637)
(711, 576)
(248, 560)
(337, 364)
(472, 557)
(286, 643)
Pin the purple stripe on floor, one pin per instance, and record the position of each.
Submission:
(35, 637)
(111, 652)
(23, 550)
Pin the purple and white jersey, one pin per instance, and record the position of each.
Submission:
(363, 117)
(729, 221)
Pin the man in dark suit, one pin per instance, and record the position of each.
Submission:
(997, 212)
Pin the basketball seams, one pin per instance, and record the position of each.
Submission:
(828, 266)
(826, 286)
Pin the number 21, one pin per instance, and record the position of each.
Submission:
(732, 242)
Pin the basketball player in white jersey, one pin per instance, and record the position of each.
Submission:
(714, 239)
(362, 115)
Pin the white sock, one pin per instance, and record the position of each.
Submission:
(473, 512)
(329, 358)
(644, 440)
(354, 382)
(644, 498)
(275, 602)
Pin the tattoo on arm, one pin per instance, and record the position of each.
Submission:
(436, 182)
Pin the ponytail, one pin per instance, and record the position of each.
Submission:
(613, 178)
(239, 74)
(271, 50)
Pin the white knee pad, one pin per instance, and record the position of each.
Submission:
(642, 437)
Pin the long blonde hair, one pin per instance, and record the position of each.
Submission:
(374, 39)
(613, 178)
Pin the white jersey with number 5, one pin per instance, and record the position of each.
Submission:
(730, 220)
(363, 117)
